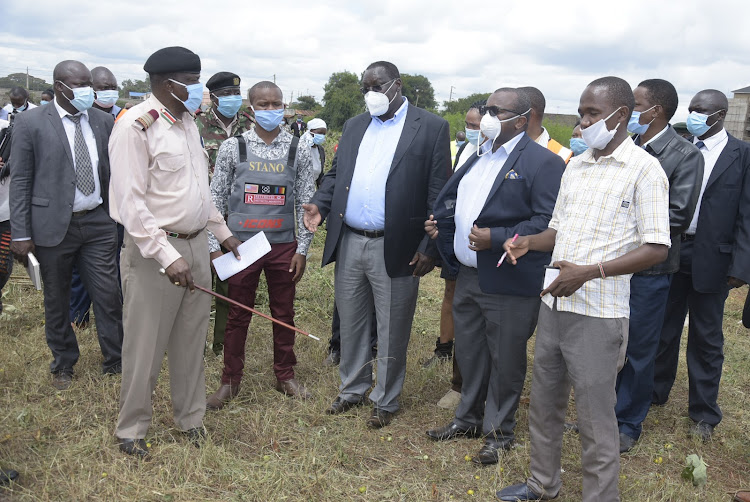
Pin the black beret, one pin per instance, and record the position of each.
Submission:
(173, 60)
(223, 79)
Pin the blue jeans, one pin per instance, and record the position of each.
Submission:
(635, 383)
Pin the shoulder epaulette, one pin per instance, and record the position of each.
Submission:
(147, 119)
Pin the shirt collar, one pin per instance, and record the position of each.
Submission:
(398, 116)
(165, 115)
(619, 155)
(283, 137)
(64, 113)
(658, 135)
(506, 147)
(216, 118)
(714, 140)
(543, 138)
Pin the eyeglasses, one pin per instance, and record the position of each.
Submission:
(494, 111)
(375, 88)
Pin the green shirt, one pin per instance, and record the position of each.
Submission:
(213, 133)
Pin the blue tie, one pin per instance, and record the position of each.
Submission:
(700, 145)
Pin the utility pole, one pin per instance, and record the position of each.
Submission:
(450, 96)
(274, 78)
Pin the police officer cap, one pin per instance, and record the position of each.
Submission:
(223, 79)
(173, 60)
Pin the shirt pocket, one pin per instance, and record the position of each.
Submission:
(170, 163)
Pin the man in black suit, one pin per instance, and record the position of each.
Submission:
(390, 166)
(298, 127)
(59, 211)
(510, 189)
(714, 257)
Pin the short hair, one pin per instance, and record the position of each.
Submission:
(521, 104)
(536, 98)
(661, 92)
(477, 105)
(263, 84)
(618, 91)
(18, 91)
(717, 96)
(50, 92)
(389, 68)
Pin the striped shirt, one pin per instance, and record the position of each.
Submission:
(605, 209)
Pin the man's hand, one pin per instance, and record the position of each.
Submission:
(424, 264)
(21, 250)
(179, 273)
(480, 239)
(430, 227)
(297, 266)
(212, 257)
(232, 243)
(516, 249)
(735, 283)
(311, 217)
(571, 277)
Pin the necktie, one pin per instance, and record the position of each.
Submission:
(700, 145)
(84, 171)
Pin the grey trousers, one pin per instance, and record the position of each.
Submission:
(491, 354)
(362, 284)
(160, 317)
(587, 353)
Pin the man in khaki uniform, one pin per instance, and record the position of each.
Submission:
(160, 194)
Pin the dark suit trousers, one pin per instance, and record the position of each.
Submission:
(491, 354)
(705, 347)
(91, 245)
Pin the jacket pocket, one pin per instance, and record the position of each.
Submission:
(726, 248)
(39, 201)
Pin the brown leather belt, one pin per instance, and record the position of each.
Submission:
(367, 233)
(178, 235)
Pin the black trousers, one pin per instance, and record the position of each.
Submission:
(91, 245)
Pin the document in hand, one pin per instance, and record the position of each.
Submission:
(251, 251)
(34, 273)
(550, 274)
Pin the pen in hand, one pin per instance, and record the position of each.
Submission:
(502, 258)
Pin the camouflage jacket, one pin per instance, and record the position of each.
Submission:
(213, 133)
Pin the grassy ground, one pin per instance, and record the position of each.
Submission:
(267, 447)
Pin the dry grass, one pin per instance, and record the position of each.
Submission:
(267, 447)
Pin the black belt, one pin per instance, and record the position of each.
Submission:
(687, 237)
(84, 212)
(367, 233)
(178, 235)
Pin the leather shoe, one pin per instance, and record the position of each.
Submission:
(379, 418)
(7, 476)
(293, 388)
(332, 359)
(702, 430)
(341, 405)
(627, 443)
(136, 447)
(221, 397)
(113, 370)
(451, 431)
(490, 452)
(742, 496)
(62, 380)
(196, 435)
(517, 492)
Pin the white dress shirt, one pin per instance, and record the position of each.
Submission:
(711, 151)
(82, 202)
(467, 152)
(471, 197)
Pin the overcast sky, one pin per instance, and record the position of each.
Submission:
(473, 46)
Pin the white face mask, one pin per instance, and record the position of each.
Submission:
(491, 127)
(377, 102)
(597, 136)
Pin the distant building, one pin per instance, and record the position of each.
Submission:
(737, 122)
(139, 95)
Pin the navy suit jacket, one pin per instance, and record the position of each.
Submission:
(514, 206)
(722, 237)
(419, 169)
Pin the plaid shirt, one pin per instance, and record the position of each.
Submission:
(605, 209)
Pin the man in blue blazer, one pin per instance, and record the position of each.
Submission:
(714, 257)
(509, 189)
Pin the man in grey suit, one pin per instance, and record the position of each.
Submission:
(58, 211)
(390, 166)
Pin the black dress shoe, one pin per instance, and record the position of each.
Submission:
(197, 436)
(490, 452)
(451, 431)
(7, 476)
(62, 379)
(379, 418)
(114, 370)
(136, 447)
(626, 443)
(702, 430)
(341, 405)
(517, 492)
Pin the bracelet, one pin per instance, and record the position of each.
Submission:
(601, 270)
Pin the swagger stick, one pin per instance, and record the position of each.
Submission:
(240, 305)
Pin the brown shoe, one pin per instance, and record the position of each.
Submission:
(379, 418)
(742, 496)
(292, 388)
(61, 380)
(218, 399)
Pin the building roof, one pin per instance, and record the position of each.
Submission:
(744, 90)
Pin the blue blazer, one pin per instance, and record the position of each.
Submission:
(523, 206)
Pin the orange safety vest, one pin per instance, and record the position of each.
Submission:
(122, 112)
(556, 148)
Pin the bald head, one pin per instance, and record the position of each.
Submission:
(717, 100)
(65, 69)
(103, 79)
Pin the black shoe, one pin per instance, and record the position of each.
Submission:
(451, 431)
(702, 430)
(490, 452)
(627, 443)
(196, 435)
(521, 491)
(114, 370)
(7, 476)
(332, 359)
(379, 418)
(217, 348)
(135, 447)
(443, 353)
(341, 405)
(62, 379)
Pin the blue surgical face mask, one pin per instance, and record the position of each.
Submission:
(269, 119)
(696, 123)
(318, 139)
(460, 143)
(229, 105)
(634, 124)
(107, 99)
(43, 102)
(21, 108)
(195, 95)
(83, 97)
(472, 136)
(578, 146)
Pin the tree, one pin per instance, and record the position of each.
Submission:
(418, 90)
(306, 103)
(19, 79)
(136, 85)
(342, 99)
(462, 105)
